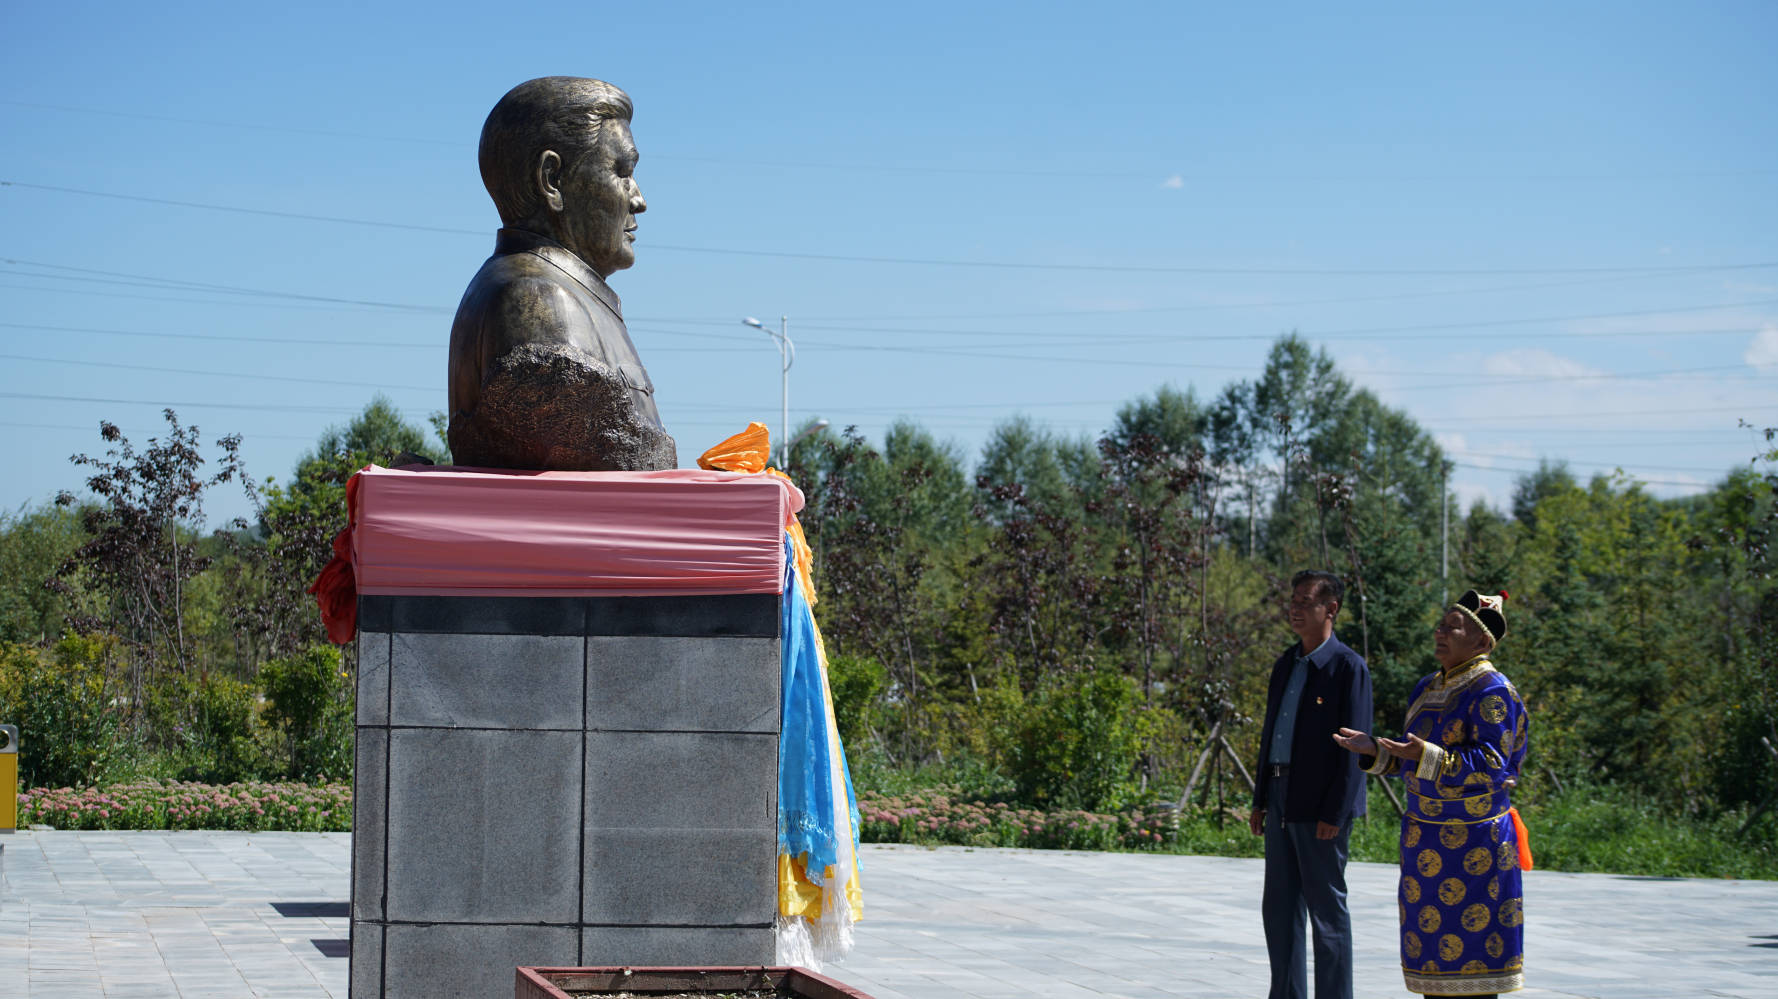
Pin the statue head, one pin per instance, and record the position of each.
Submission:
(558, 159)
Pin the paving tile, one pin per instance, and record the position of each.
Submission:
(127, 915)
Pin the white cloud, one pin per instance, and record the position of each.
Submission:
(1535, 362)
(1468, 492)
(1669, 431)
(1451, 441)
(1173, 183)
(1762, 350)
(1673, 484)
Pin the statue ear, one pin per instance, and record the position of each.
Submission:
(549, 175)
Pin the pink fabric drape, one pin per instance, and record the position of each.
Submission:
(481, 532)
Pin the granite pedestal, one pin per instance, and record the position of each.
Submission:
(561, 781)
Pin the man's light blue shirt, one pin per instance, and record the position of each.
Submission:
(1284, 727)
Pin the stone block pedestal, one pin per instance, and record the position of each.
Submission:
(561, 781)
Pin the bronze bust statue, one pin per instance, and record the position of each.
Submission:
(543, 374)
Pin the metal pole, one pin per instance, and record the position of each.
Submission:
(787, 356)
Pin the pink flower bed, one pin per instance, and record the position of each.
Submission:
(152, 804)
(935, 817)
(932, 817)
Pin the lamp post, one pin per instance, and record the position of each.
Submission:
(786, 357)
(808, 431)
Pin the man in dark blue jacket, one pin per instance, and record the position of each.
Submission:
(1308, 791)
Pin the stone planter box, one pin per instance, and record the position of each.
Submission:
(570, 983)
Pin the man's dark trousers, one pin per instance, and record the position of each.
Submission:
(1305, 882)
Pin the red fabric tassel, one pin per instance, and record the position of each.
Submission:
(1523, 838)
(336, 589)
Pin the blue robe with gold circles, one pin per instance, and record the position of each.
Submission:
(1461, 902)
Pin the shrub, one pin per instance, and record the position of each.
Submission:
(309, 700)
(1079, 744)
(855, 682)
(938, 816)
(69, 709)
(206, 725)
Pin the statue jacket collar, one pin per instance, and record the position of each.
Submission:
(564, 259)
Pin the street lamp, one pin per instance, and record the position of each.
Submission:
(810, 430)
(786, 357)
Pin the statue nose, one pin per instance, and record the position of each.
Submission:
(637, 205)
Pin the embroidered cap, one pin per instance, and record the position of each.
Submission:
(1486, 611)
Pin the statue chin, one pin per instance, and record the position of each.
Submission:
(557, 408)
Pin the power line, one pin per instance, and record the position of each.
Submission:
(990, 264)
(1651, 482)
(1586, 464)
(1619, 412)
(303, 341)
(1629, 435)
(233, 375)
(86, 292)
(1198, 366)
(231, 124)
(91, 429)
(1357, 332)
(1513, 379)
(312, 342)
(184, 285)
(239, 210)
(688, 406)
(1216, 307)
(991, 171)
(172, 405)
(90, 275)
(1211, 271)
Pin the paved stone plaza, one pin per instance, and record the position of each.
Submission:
(204, 914)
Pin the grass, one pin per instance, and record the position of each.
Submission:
(1585, 829)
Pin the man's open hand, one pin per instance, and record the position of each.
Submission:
(1355, 741)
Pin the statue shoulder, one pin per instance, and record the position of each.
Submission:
(519, 299)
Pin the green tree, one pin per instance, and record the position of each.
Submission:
(33, 544)
(878, 523)
(143, 546)
(1021, 454)
(275, 559)
(1606, 631)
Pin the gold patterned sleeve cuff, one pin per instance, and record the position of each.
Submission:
(1381, 766)
(1431, 762)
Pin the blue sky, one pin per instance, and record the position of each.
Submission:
(1545, 233)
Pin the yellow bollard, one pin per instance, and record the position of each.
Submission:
(9, 778)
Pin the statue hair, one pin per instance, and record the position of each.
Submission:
(561, 113)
